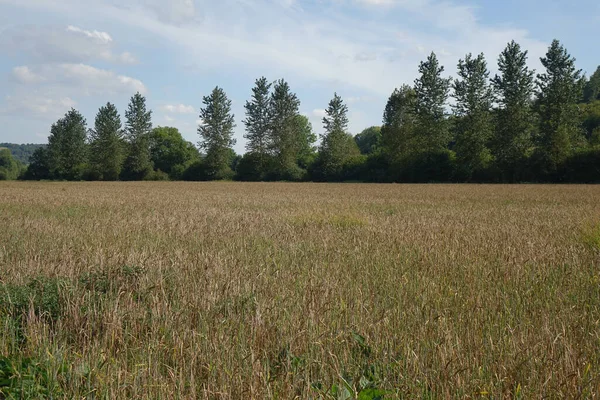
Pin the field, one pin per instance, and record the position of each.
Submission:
(275, 290)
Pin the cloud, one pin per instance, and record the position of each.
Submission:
(319, 113)
(177, 109)
(102, 37)
(37, 105)
(57, 44)
(80, 78)
(24, 75)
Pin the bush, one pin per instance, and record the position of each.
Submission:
(250, 168)
(582, 167)
(157, 175)
(44, 294)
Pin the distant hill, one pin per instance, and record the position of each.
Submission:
(22, 152)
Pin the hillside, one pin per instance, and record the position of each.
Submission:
(21, 152)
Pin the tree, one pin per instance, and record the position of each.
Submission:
(283, 132)
(337, 146)
(39, 165)
(369, 140)
(591, 91)
(431, 95)
(216, 131)
(515, 121)
(22, 152)
(138, 125)
(398, 130)
(258, 122)
(474, 98)
(170, 153)
(560, 88)
(67, 149)
(9, 167)
(106, 144)
(306, 139)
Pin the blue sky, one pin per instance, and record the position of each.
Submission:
(58, 54)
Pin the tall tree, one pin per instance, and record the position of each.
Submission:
(474, 98)
(431, 91)
(9, 167)
(399, 120)
(216, 131)
(369, 140)
(67, 149)
(306, 141)
(106, 144)
(283, 131)
(137, 129)
(170, 152)
(560, 88)
(515, 121)
(337, 146)
(258, 122)
(592, 87)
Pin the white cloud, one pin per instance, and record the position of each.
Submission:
(82, 79)
(177, 109)
(24, 75)
(102, 37)
(56, 44)
(36, 105)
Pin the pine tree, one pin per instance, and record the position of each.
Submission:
(337, 146)
(431, 94)
(306, 139)
(560, 89)
(283, 131)
(258, 123)
(107, 151)
(592, 88)
(216, 131)
(138, 164)
(398, 130)
(67, 149)
(515, 121)
(474, 98)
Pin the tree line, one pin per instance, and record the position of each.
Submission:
(517, 126)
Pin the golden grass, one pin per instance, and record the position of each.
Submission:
(274, 290)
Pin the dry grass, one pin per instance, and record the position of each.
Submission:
(233, 290)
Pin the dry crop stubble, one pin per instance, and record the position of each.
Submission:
(261, 290)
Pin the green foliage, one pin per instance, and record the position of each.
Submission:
(27, 378)
(284, 133)
(216, 132)
(590, 116)
(369, 140)
(138, 125)
(39, 167)
(582, 167)
(591, 92)
(473, 105)
(22, 152)
(559, 92)
(399, 126)
(170, 153)
(67, 148)
(252, 167)
(107, 148)
(431, 91)
(258, 120)
(44, 295)
(337, 146)
(9, 167)
(515, 121)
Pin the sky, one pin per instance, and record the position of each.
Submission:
(58, 54)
